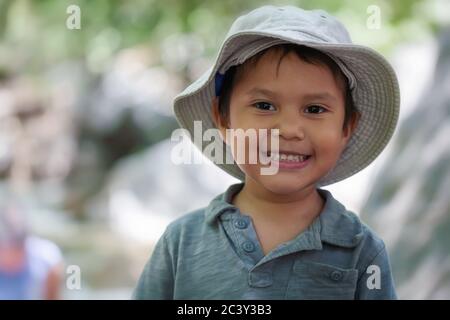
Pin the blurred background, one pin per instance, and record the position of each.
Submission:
(86, 181)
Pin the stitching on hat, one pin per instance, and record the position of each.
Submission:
(308, 34)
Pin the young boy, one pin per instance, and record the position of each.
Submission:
(334, 106)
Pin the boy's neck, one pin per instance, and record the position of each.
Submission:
(260, 203)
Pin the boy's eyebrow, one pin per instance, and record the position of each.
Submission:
(320, 95)
(266, 92)
(309, 96)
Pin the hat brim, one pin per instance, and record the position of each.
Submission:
(376, 96)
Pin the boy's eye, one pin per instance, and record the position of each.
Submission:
(264, 106)
(315, 109)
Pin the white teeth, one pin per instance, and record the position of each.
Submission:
(287, 157)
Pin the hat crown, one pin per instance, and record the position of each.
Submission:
(318, 25)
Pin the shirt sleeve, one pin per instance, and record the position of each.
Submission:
(376, 282)
(157, 279)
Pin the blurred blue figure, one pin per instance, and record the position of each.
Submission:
(30, 267)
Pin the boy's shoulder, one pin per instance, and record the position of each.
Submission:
(192, 220)
(367, 235)
(342, 227)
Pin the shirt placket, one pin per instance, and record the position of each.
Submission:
(241, 231)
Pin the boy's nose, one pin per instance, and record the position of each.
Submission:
(291, 126)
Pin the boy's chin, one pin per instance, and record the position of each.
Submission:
(282, 183)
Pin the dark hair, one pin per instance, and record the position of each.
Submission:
(307, 54)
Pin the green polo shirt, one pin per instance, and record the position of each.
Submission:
(214, 253)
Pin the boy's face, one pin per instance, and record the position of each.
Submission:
(305, 103)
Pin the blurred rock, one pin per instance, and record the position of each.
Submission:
(146, 191)
(409, 205)
(120, 112)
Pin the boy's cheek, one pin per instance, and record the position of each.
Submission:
(244, 151)
(329, 158)
(249, 123)
(329, 146)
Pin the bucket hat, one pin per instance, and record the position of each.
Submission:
(372, 80)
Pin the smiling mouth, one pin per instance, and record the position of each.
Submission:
(284, 156)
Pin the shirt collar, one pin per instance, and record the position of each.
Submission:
(335, 224)
(339, 226)
(222, 203)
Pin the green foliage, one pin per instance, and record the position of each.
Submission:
(36, 29)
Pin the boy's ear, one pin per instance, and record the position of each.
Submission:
(351, 125)
(217, 118)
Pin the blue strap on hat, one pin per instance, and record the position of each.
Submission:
(218, 81)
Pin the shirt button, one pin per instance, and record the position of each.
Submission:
(248, 246)
(240, 224)
(336, 275)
